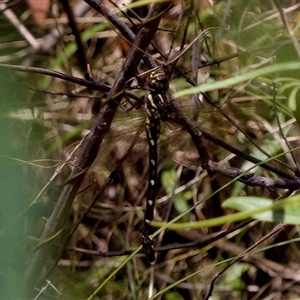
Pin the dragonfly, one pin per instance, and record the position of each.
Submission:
(156, 101)
(159, 107)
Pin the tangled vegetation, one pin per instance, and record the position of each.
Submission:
(75, 159)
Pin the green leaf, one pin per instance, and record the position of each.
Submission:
(251, 204)
(239, 78)
(286, 211)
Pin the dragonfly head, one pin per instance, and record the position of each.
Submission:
(158, 81)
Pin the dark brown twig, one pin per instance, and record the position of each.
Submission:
(80, 81)
(81, 48)
(255, 180)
